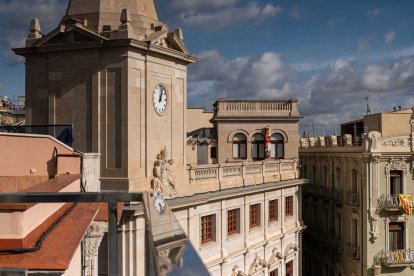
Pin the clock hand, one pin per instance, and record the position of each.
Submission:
(160, 99)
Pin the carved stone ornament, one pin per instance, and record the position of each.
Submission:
(399, 165)
(276, 256)
(257, 265)
(373, 223)
(237, 272)
(375, 159)
(397, 142)
(164, 179)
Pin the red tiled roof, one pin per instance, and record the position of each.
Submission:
(103, 211)
(60, 245)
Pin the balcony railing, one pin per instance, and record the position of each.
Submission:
(217, 176)
(352, 251)
(402, 257)
(352, 199)
(389, 202)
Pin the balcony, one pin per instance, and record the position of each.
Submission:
(251, 108)
(206, 178)
(390, 202)
(336, 195)
(352, 199)
(396, 258)
(352, 251)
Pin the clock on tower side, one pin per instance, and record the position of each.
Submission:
(157, 101)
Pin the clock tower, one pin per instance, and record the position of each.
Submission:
(119, 76)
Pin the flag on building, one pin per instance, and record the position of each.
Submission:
(406, 204)
(268, 145)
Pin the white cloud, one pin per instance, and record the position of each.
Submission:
(330, 96)
(15, 19)
(297, 12)
(216, 17)
(389, 37)
(363, 45)
(335, 22)
(375, 12)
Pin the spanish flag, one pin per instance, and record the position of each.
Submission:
(268, 145)
(406, 204)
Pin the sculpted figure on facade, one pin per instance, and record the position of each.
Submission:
(164, 180)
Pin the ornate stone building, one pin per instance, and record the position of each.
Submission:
(119, 76)
(359, 200)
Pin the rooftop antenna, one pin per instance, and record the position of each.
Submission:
(368, 108)
(225, 93)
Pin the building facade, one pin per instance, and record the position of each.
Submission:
(359, 200)
(115, 72)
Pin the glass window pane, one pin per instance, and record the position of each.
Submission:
(273, 151)
(243, 151)
(261, 151)
(276, 137)
(280, 151)
(239, 137)
(235, 151)
(257, 137)
(254, 151)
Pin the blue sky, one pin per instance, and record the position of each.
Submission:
(328, 54)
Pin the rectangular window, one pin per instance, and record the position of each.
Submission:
(337, 177)
(338, 226)
(207, 228)
(289, 268)
(354, 181)
(213, 152)
(395, 183)
(254, 215)
(396, 235)
(354, 233)
(273, 210)
(233, 221)
(274, 273)
(288, 206)
(325, 176)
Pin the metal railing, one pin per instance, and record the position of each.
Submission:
(352, 251)
(62, 133)
(396, 257)
(352, 199)
(389, 202)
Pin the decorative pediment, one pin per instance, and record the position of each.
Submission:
(398, 165)
(290, 249)
(275, 257)
(257, 265)
(69, 34)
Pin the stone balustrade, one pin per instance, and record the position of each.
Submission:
(401, 257)
(214, 177)
(256, 107)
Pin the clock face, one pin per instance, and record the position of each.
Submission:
(159, 99)
(159, 204)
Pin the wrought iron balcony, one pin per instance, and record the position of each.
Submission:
(389, 202)
(352, 251)
(352, 198)
(396, 258)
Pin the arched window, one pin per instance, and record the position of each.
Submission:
(278, 146)
(239, 146)
(258, 147)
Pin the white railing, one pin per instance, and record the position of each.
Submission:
(259, 106)
(260, 171)
(396, 257)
